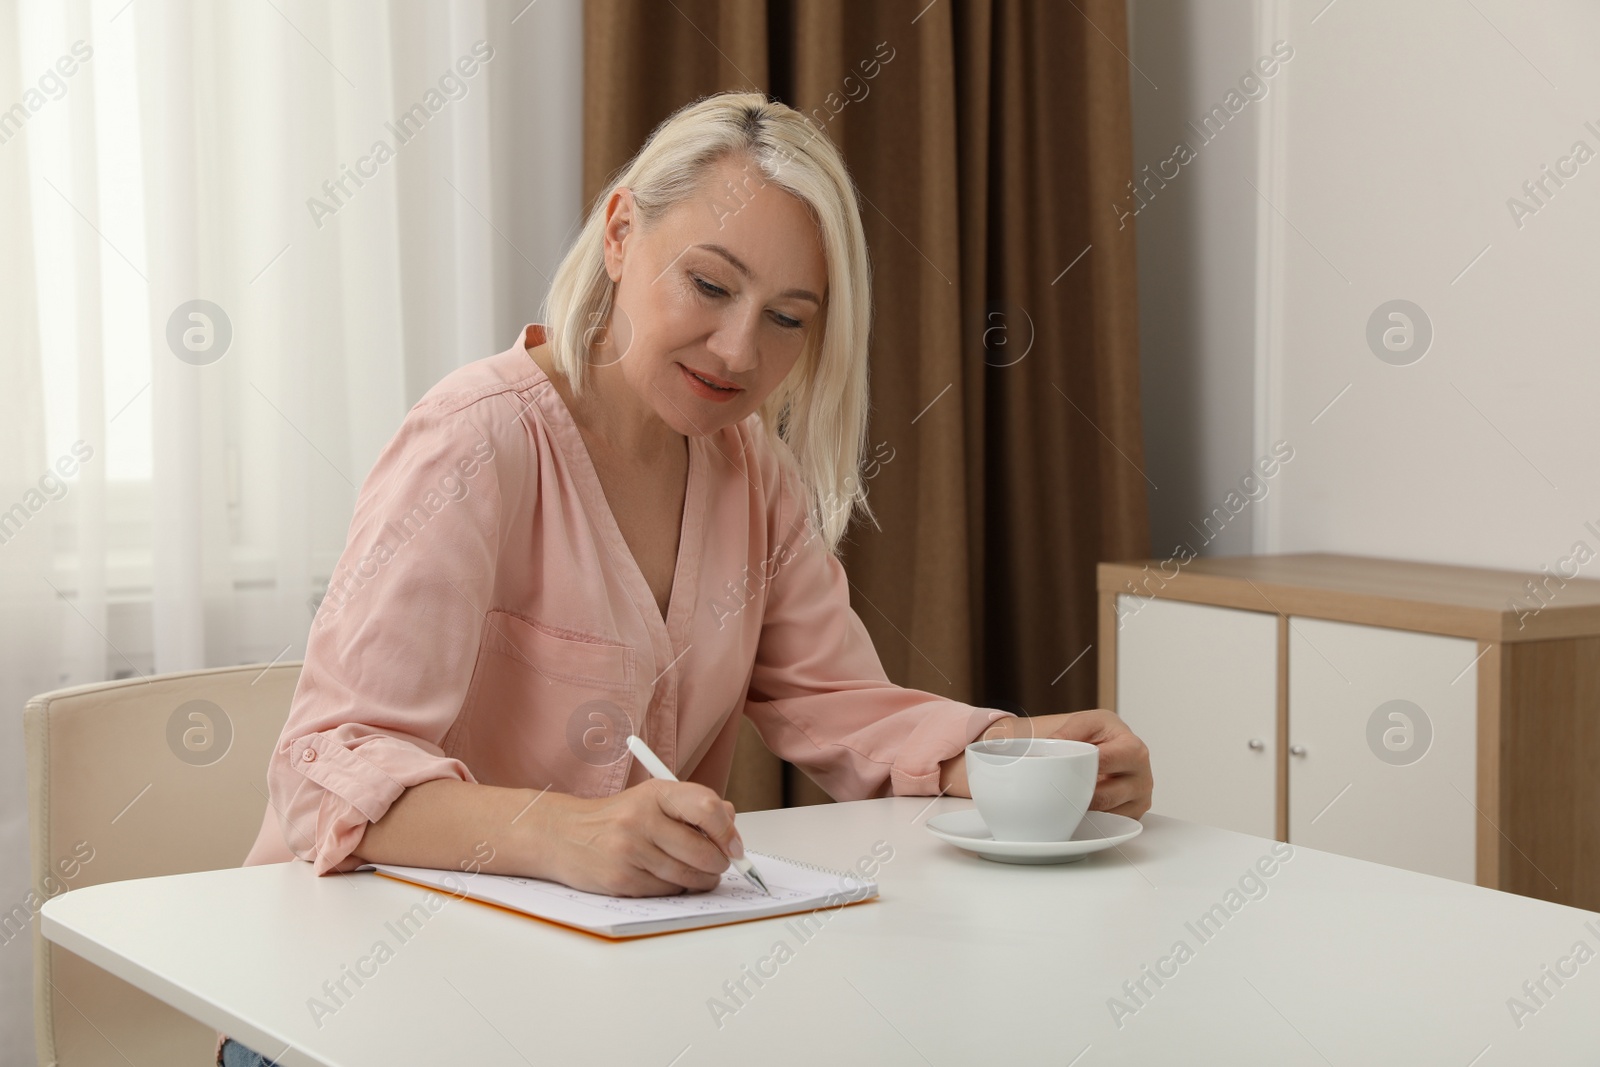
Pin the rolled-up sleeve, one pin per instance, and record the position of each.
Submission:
(395, 639)
(818, 693)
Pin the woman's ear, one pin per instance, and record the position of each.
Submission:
(619, 224)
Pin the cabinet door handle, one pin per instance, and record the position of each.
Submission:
(1297, 750)
(1256, 744)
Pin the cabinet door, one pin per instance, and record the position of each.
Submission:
(1383, 745)
(1199, 685)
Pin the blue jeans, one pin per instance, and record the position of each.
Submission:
(236, 1055)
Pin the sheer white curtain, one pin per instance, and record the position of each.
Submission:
(364, 196)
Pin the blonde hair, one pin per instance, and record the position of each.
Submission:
(816, 418)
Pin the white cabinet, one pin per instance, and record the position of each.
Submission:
(1199, 685)
(1381, 737)
(1437, 718)
(1383, 745)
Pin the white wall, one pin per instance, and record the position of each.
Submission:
(1388, 148)
(1196, 249)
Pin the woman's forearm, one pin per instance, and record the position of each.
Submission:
(652, 839)
(448, 824)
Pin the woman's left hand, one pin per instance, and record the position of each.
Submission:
(1125, 783)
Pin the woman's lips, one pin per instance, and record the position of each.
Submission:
(705, 388)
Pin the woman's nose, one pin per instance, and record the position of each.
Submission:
(734, 343)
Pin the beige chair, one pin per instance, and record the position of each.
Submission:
(131, 779)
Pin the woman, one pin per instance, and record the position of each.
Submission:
(626, 523)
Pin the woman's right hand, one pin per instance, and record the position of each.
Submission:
(642, 842)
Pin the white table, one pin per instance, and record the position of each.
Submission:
(961, 961)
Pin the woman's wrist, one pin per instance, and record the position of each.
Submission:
(953, 776)
(536, 840)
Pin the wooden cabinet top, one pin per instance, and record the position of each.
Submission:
(1488, 605)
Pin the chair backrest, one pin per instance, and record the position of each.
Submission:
(131, 779)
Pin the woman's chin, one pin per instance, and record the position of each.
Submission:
(713, 422)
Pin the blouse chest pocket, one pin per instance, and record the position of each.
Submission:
(556, 656)
(546, 706)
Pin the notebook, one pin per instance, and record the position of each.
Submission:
(795, 887)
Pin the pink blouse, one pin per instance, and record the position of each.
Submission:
(487, 622)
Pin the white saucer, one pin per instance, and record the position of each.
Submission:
(1099, 830)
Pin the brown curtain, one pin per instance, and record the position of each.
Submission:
(990, 148)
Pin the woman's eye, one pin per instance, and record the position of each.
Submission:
(707, 288)
(715, 291)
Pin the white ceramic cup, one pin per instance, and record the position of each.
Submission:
(1032, 788)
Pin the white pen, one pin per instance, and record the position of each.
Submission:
(657, 769)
